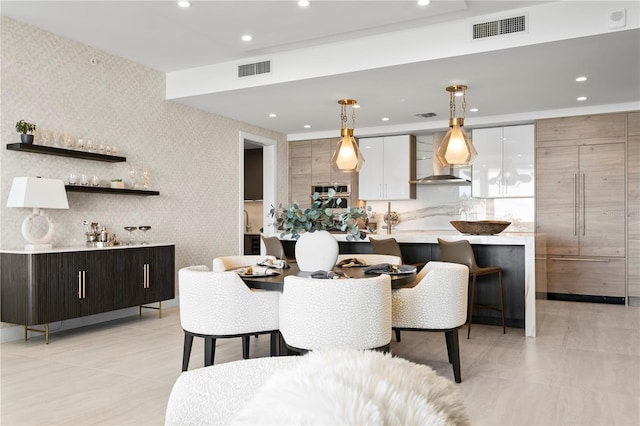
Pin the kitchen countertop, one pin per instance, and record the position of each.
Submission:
(431, 237)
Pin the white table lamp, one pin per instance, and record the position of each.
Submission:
(38, 194)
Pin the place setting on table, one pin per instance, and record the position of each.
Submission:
(270, 273)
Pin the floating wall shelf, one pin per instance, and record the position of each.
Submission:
(104, 190)
(41, 149)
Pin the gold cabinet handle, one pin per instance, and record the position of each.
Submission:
(84, 282)
(79, 284)
(575, 204)
(584, 206)
(144, 275)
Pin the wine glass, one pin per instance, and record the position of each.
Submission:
(45, 135)
(56, 137)
(133, 173)
(130, 230)
(144, 229)
(146, 177)
(68, 140)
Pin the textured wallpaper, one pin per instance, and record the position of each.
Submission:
(192, 155)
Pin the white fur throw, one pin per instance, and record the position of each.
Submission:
(355, 388)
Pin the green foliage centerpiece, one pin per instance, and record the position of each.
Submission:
(320, 216)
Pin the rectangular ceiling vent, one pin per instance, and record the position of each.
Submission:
(254, 69)
(517, 24)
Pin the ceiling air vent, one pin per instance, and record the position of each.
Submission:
(517, 24)
(254, 69)
(426, 114)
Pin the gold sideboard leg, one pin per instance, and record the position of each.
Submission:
(158, 308)
(37, 330)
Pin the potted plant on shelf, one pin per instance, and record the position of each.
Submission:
(316, 248)
(26, 130)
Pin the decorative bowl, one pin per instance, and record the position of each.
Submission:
(480, 227)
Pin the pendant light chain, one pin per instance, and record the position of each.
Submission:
(353, 118)
(343, 116)
(464, 101)
(452, 104)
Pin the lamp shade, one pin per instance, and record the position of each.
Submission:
(347, 156)
(456, 148)
(38, 193)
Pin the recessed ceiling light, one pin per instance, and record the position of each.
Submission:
(304, 3)
(473, 110)
(247, 37)
(356, 105)
(272, 115)
(582, 98)
(184, 4)
(423, 2)
(581, 79)
(385, 118)
(307, 126)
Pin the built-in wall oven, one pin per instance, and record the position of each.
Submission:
(340, 200)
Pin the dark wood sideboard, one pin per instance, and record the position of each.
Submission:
(44, 287)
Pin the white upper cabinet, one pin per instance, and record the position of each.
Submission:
(389, 165)
(504, 166)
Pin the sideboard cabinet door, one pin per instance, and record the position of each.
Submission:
(69, 285)
(147, 275)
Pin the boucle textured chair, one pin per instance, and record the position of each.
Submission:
(437, 303)
(462, 252)
(219, 305)
(336, 313)
(322, 387)
(372, 259)
(390, 246)
(227, 263)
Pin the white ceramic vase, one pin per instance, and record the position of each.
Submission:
(316, 251)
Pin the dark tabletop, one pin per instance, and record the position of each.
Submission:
(276, 282)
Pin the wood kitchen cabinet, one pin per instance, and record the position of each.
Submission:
(389, 166)
(253, 176)
(580, 205)
(44, 287)
(504, 165)
(309, 165)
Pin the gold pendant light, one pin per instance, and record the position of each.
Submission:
(456, 149)
(347, 156)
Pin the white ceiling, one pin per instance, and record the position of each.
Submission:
(511, 82)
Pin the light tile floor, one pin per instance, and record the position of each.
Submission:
(582, 369)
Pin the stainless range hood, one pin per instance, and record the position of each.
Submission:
(444, 179)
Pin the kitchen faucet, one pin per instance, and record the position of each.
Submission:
(247, 228)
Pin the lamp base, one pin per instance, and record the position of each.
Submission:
(37, 247)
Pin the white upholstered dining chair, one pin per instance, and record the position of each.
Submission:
(437, 303)
(227, 263)
(336, 313)
(219, 305)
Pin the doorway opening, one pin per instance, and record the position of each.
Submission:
(257, 191)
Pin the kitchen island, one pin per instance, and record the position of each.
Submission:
(514, 252)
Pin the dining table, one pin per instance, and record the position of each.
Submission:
(276, 282)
